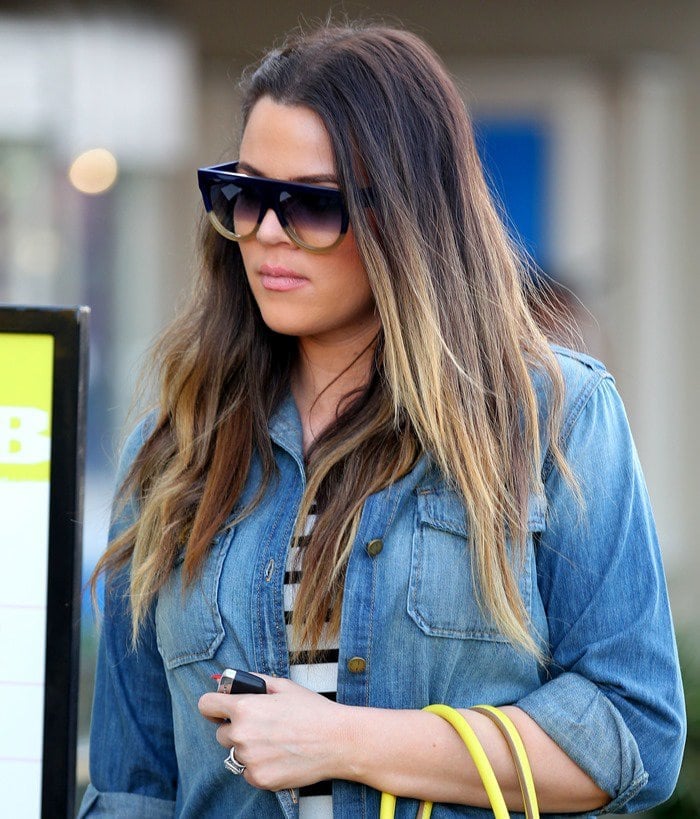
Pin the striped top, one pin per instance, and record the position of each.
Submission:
(315, 801)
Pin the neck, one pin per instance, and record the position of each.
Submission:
(326, 371)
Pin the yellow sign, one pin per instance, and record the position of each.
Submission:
(26, 383)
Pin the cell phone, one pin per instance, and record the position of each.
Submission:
(233, 681)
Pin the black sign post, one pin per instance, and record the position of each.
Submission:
(53, 396)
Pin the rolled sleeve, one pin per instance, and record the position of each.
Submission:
(612, 696)
(591, 731)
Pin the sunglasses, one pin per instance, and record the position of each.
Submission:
(314, 217)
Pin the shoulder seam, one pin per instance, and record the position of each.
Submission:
(598, 375)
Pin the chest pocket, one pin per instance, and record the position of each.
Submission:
(188, 622)
(441, 598)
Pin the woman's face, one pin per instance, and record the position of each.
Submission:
(325, 296)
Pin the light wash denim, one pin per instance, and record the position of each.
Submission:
(592, 583)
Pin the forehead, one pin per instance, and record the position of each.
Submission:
(286, 141)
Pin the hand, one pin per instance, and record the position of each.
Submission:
(286, 738)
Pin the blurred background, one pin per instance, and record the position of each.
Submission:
(587, 115)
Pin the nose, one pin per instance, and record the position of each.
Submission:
(270, 230)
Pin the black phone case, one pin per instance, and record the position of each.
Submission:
(241, 682)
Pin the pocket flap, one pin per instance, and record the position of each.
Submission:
(441, 508)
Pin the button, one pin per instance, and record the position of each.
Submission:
(357, 665)
(374, 547)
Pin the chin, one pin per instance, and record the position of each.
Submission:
(287, 325)
(288, 330)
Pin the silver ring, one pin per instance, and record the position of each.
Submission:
(232, 764)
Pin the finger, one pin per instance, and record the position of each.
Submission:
(223, 735)
(215, 707)
(276, 685)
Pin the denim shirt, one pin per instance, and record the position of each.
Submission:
(593, 585)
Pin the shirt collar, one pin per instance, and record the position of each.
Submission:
(285, 428)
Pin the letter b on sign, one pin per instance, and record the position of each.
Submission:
(24, 436)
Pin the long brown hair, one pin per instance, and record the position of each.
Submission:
(453, 364)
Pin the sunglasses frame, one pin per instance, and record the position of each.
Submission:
(269, 192)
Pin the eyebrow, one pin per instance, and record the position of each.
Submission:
(309, 179)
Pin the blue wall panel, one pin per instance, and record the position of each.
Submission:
(515, 154)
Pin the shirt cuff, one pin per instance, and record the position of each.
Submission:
(585, 724)
(96, 804)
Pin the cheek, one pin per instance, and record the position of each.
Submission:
(362, 289)
(246, 256)
(251, 262)
(353, 270)
(353, 297)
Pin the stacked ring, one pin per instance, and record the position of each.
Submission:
(232, 764)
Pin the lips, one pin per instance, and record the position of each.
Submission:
(276, 277)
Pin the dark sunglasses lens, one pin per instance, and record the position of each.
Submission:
(236, 209)
(315, 218)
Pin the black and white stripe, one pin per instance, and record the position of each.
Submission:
(321, 675)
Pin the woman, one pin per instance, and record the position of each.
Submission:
(359, 375)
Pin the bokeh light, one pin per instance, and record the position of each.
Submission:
(93, 172)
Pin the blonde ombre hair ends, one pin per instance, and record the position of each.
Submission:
(454, 360)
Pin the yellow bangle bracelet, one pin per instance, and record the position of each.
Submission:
(519, 755)
(483, 766)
